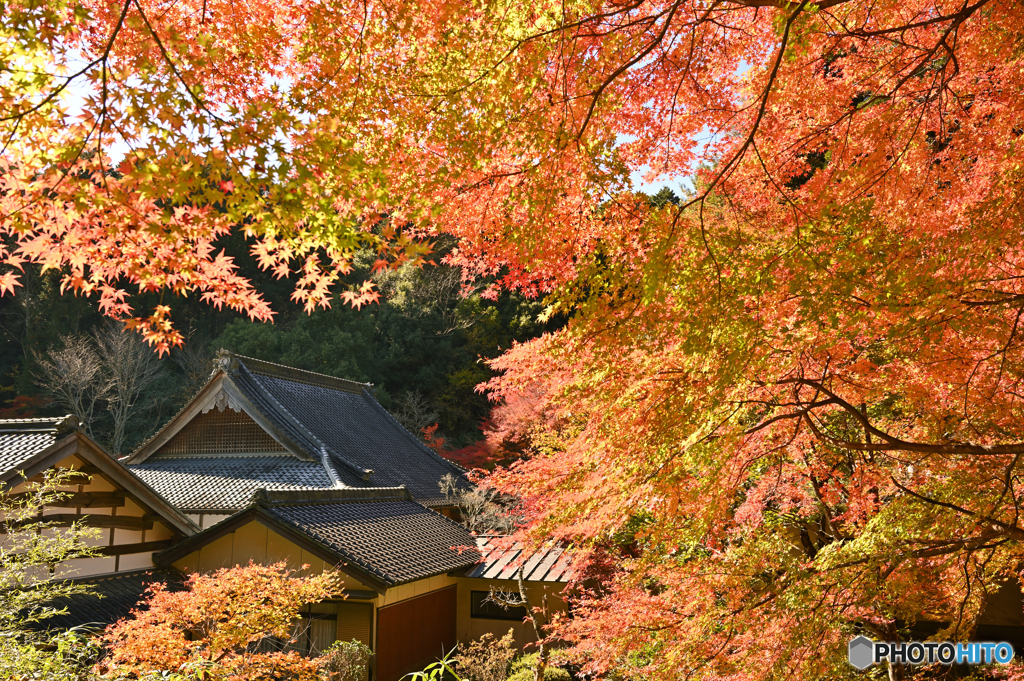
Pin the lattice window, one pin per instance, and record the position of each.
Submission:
(222, 432)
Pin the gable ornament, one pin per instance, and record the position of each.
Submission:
(221, 401)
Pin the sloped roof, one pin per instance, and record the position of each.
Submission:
(502, 560)
(112, 598)
(201, 484)
(335, 425)
(381, 535)
(393, 537)
(353, 426)
(22, 439)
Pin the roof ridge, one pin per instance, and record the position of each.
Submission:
(304, 497)
(263, 367)
(35, 419)
(39, 424)
(364, 473)
(325, 458)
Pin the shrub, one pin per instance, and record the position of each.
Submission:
(486, 659)
(30, 547)
(212, 631)
(345, 661)
(522, 670)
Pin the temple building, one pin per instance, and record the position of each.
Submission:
(273, 464)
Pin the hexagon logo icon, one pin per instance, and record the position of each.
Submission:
(861, 652)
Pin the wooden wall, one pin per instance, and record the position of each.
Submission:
(128, 533)
(413, 633)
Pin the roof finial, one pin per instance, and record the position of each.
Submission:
(225, 361)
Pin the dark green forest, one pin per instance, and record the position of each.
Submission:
(422, 346)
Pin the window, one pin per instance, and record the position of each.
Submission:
(321, 633)
(355, 622)
(311, 634)
(482, 608)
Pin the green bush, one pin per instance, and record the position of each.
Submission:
(486, 659)
(522, 670)
(345, 661)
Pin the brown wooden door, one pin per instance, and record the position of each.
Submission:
(414, 633)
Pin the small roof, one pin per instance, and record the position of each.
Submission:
(112, 597)
(502, 560)
(380, 535)
(22, 439)
(334, 425)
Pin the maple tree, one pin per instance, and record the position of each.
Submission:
(136, 134)
(212, 629)
(799, 385)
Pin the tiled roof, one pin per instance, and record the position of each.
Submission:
(381, 531)
(502, 560)
(345, 418)
(351, 441)
(121, 592)
(21, 439)
(226, 483)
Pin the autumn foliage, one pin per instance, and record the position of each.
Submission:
(135, 134)
(212, 629)
(800, 385)
(794, 395)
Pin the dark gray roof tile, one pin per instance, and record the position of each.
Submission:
(226, 483)
(356, 430)
(395, 538)
(21, 439)
(337, 423)
(121, 593)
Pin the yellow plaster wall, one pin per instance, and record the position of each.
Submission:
(249, 543)
(470, 628)
(105, 536)
(160, 531)
(217, 554)
(404, 592)
(135, 561)
(211, 519)
(84, 567)
(315, 565)
(189, 564)
(256, 542)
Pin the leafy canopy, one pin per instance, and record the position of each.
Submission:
(33, 554)
(213, 629)
(804, 375)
